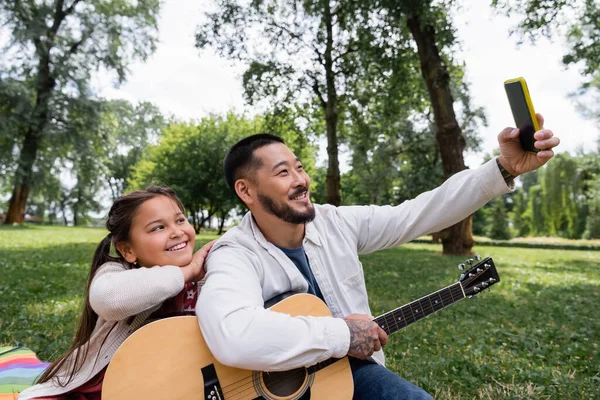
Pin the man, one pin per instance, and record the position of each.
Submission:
(285, 243)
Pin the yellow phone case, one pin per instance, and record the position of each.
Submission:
(521, 80)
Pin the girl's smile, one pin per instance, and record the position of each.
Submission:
(178, 247)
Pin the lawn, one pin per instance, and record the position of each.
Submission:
(534, 335)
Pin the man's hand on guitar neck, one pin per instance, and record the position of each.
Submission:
(366, 336)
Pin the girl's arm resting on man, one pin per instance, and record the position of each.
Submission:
(116, 294)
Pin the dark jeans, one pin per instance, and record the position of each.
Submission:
(373, 381)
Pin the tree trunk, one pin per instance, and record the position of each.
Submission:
(204, 219)
(75, 214)
(63, 208)
(222, 217)
(194, 212)
(331, 116)
(457, 239)
(39, 119)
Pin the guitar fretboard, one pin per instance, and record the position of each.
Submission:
(403, 316)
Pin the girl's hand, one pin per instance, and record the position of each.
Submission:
(194, 271)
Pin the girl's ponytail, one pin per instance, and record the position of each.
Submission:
(102, 253)
(87, 322)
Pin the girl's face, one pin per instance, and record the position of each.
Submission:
(160, 235)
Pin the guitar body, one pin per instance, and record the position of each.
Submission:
(168, 359)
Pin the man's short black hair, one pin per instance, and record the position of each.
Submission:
(240, 160)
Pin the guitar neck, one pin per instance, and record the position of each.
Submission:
(403, 316)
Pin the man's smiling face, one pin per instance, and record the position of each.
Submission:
(282, 185)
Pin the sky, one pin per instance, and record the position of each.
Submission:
(189, 85)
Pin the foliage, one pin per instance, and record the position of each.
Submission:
(95, 150)
(556, 200)
(577, 20)
(128, 130)
(16, 100)
(498, 228)
(79, 37)
(296, 53)
(53, 49)
(189, 158)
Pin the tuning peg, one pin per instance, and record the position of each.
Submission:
(461, 267)
(479, 270)
(478, 257)
(469, 261)
(476, 288)
(492, 280)
(484, 284)
(471, 275)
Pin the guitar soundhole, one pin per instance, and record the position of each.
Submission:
(284, 383)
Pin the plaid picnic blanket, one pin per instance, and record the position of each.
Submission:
(19, 369)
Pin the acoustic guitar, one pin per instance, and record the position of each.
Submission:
(168, 359)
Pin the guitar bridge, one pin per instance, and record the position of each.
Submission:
(212, 387)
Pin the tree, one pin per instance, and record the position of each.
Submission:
(128, 130)
(296, 52)
(535, 213)
(15, 105)
(55, 47)
(189, 158)
(517, 215)
(592, 227)
(432, 31)
(590, 178)
(498, 220)
(339, 53)
(561, 191)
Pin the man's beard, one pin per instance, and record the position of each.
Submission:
(285, 212)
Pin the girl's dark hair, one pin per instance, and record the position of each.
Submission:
(120, 218)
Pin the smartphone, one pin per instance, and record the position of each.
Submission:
(523, 112)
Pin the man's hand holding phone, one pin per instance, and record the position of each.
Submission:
(517, 161)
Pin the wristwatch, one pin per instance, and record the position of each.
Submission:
(508, 178)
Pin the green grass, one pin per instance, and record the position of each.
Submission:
(534, 335)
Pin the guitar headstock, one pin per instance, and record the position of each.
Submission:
(479, 277)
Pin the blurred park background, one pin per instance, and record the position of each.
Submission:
(381, 99)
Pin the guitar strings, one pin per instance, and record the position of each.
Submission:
(430, 309)
(450, 293)
(247, 383)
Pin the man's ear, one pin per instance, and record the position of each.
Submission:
(127, 252)
(244, 191)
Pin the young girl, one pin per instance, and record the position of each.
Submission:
(155, 274)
